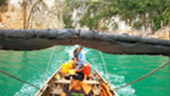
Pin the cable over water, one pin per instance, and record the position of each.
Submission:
(153, 71)
(107, 75)
(51, 57)
(19, 79)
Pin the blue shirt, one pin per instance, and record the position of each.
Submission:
(81, 58)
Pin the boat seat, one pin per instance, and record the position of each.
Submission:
(89, 82)
(56, 92)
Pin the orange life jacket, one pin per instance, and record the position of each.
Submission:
(86, 88)
(105, 91)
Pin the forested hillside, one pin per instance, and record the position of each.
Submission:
(134, 17)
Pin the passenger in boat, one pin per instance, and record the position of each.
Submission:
(77, 87)
(79, 59)
(75, 53)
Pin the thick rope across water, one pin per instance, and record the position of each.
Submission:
(153, 71)
(107, 74)
(51, 57)
(94, 58)
(19, 79)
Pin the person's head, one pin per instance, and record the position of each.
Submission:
(77, 78)
(79, 48)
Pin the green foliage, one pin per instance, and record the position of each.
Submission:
(129, 10)
(2, 2)
(67, 21)
(166, 13)
(68, 9)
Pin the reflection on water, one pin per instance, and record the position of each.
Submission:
(31, 66)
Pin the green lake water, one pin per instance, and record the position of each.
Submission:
(31, 65)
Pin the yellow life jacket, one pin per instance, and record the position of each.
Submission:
(70, 64)
(64, 68)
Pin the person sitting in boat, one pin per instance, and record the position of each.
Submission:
(79, 59)
(77, 87)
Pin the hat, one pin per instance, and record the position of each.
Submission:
(79, 46)
(78, 76)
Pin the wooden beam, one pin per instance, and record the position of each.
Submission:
(36, 39)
